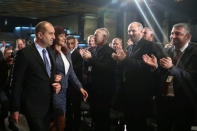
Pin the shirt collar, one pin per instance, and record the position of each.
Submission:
(38, 46)
(73, 49)
(184, 47)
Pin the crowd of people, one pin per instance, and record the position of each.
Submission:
(47, 80)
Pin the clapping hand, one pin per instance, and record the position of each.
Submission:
(85, 54)
(166, 63)
(150, 60)
(120, 55)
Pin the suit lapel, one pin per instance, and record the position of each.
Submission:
(138, 47)
(69, 60)
(68, 57)
(52, 59)
(187, 51)
(171, 52)
(185, 55)
(38, 57)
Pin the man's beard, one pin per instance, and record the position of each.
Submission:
(134, 38)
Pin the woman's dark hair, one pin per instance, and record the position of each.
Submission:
(59, 30)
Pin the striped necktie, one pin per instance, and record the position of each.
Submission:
(46, 62)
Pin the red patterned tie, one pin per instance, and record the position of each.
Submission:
(168, 82)
(177, 55)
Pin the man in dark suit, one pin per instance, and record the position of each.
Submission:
(138, 79)
(178, 92)
(5, 72)
(74, 97)
(102, 80)
(87, 78)
(32, 83)
(1, 56)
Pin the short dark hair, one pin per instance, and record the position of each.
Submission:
(8, 48)
(183, 25)
(70, 37)
(117, 38)
(59, 30)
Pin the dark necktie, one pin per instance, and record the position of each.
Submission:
(131, 49)
(46, 62)
(177, 55)
(169, 81)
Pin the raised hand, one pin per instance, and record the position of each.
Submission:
(85, 54)
(166, 63)
(150, 60)
(120, 55)
(82, 51)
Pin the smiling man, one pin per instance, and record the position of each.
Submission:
(178, 91)
(139, 82)
(180, 97)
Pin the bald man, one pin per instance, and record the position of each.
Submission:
(138, 78)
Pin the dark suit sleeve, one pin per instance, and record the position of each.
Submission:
(103, 61)
(189, 73)
(136, 60)
(18, 76)
(136, 63)
(73, 78)
(186, 78)
(77, 62)
(1, 56)
(159, 52)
